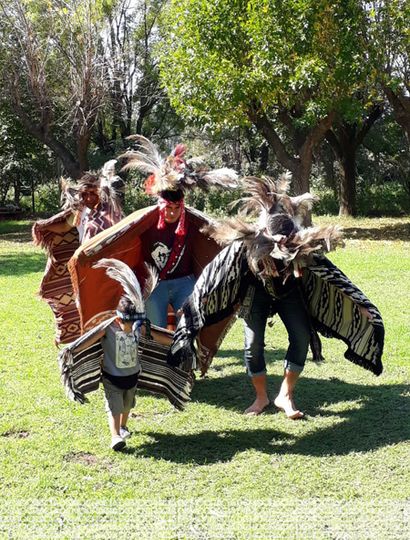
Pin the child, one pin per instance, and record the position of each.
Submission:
(121, 366)
(120, 369)
(109, 352)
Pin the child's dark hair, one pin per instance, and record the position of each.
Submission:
(281, 224)
(126, 307)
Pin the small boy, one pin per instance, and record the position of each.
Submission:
(120, 369)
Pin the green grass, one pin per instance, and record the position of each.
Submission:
(211, 472)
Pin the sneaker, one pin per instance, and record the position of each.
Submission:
(124, 432)
(117, 443)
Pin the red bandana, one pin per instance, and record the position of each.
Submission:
(162, 204)
(180, 234)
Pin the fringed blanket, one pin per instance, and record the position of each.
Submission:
(80, 366)
(96, 293)
(337, 308)
(56, 288)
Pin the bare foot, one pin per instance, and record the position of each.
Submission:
(258, 407)
(285, 404)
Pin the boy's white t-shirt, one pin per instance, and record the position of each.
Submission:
(120, 352)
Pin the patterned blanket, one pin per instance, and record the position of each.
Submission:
(81, 369)
(336, 307)
(96, 293)
(56, 288)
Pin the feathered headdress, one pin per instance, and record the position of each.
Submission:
(122, 273)
(106, 181)
(277, 234)
(267, 197)
(174, 172)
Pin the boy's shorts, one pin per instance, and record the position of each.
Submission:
(117, 400)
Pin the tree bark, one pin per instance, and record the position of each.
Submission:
(300, 165)
(401, 109)
(345, 140)
(347, 204)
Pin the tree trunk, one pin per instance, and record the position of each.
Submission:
(17, 186)
(401, 109)
(301, 165)
(83, 142)
(347, 205)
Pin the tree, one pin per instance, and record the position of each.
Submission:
(132, 70)
(388, 46)
(24, 161)
(345, 137)
(282, 66)
(52, 68)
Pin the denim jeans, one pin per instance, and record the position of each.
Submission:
(168, 291)
(293, 314)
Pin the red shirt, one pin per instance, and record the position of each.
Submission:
(157, 245)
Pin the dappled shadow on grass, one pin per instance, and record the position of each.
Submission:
(21, 264)
(208, 446)
(398, 231)
(377, 417)
(21, 237)
(236, 358)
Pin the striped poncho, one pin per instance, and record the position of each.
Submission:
(337, 308)
(81, 368)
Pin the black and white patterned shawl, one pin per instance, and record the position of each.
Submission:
(337, 308)
(81, 370)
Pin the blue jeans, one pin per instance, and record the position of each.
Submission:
(168, 291)
(293, 314)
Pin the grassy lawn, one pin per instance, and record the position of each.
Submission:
(211, 472)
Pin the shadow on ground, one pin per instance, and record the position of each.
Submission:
(399, 231)
(379, 417)
(21, 264)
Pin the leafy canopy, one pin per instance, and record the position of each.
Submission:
(217, 56)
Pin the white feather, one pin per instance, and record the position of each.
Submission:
(122, 273)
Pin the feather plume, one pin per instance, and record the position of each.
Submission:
(108, 169)
(229, 230)
(224, 177)
(151, 280)
(174, 172)
(122, 273)
(283, 183)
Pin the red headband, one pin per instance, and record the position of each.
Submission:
(162, 204)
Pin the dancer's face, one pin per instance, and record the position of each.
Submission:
(90, 197)
(172, 212)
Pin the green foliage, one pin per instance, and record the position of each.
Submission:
(47, 198)
(219, 56)
(388, 199)
(135, 198)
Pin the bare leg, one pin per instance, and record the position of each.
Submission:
(262, 400)
(284, 400)
(115, 423)
(124, 419)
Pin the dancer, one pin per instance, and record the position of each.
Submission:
(169, 244)
(275, 265)
(89, 207)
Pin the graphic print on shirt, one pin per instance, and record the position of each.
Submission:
(160, 255)
(125, 350)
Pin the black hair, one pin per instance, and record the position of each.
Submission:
(281, 224)
(89, 180)
(126, 307)
(172, 195)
